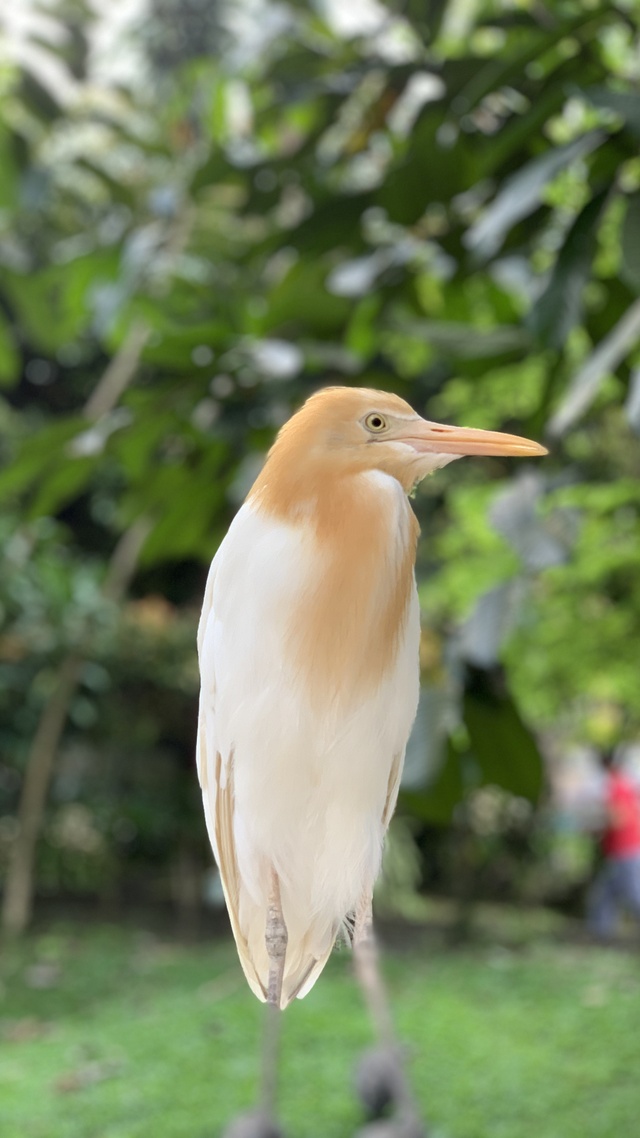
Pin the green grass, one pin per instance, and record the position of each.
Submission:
(141, 1038)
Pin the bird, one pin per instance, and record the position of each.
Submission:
(308, 647)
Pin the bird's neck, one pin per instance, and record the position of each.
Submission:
(296, 488)
(325, 492)
(364, 534)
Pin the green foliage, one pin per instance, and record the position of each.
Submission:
(590, 615)
(447, 208)
(501, 744)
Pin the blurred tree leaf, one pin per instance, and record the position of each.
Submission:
(632, 406)
(503, 746)
(9, 172)
(622, 103)
(463, 341)
(522, 192)
(38, 457)
(9, 355)
(558, 308)
(586, 383)
(53, 304)
(438, 802)
(62, 484)
(631, 242)
(302, 301)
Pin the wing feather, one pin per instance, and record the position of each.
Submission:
(228, 865)
(217, 784)
(395, 775)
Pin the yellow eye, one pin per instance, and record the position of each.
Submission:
(375, 423)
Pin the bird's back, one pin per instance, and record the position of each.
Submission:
(308, 651)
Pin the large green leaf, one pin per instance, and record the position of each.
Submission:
(623, 103)
(185, 526)
(301, 301)
(558, 308)
(503, 746)
(9, 355)
(63, 482)
(53, 305)
(38, 98)
(509, 67)
(437, 803)
(604, 360)
(511, 143)
(463, 341)
(332, 223)
(433, 170)
(9, 172)
(38, 456)
(522, 193)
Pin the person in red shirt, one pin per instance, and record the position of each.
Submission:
(617, 884)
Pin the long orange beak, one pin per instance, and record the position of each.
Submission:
(437, 438)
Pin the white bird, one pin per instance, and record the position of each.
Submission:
(308, 646)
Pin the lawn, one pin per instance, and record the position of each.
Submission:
(109, 1033)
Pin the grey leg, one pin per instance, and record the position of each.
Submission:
(276, 938)
(367, 965)
(276, 941)
(261, 1123)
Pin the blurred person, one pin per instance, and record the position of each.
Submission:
(617, 884)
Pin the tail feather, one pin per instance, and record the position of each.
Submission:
(308, 979)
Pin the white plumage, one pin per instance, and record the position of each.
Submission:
(314, 782)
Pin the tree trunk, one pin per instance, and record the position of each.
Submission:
(18, 892)
(16, 908)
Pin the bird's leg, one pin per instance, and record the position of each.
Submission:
(276, 942)
(261, 1123)
(368, 972)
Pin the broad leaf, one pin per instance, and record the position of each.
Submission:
(622, 103)
(559, 307)
(585, 385)
(502, 744)
(463, 341)
(522, 194)
(437, 803)
(38, 456)
(64, 482)
(9, 356)
(9, 174)
(301, 301)
(54, 304)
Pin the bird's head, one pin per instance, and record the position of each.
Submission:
(358, 429)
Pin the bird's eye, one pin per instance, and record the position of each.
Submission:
(375, 423)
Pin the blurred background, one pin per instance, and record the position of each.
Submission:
(208, 209)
